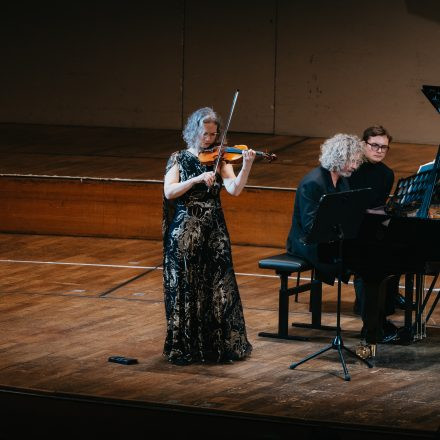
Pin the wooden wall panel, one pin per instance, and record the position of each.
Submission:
(81, 207)
(106, 63)
(260, 217)
(121, 209)
(343, 66)
(231, 46)
(308, 68)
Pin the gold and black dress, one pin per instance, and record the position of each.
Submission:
(203, 309)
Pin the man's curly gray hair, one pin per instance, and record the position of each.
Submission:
(194, 127)
(339, 150)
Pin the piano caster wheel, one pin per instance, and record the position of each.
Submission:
(366, 351)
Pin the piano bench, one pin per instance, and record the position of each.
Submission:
(284, 265)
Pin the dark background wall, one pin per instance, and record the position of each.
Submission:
(305, 67)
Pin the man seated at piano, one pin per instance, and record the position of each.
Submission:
(340, 156)
(374, 174)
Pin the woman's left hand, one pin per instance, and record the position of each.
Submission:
(248, 158)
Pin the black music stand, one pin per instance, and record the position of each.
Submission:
(338, 218)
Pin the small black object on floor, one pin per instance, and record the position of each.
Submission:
(122, 360)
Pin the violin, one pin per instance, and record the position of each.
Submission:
(230, 154)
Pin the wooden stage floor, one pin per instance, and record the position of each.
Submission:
(68, 303)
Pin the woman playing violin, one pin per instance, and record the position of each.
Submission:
(202, 303)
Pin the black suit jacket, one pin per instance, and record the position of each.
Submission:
(310, 190)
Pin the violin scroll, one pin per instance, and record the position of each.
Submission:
(270, 157)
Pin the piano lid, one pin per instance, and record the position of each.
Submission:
(433, 95)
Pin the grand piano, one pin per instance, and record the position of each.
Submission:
(404, 240)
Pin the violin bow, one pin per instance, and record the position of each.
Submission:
(225, 131)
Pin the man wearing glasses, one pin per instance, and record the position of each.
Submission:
(373, 173)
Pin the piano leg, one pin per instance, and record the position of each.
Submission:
(406, 333)
(413, 329)
(421, 317)
(425, 301)
(419, 320)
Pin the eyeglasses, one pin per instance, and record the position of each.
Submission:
(356, 162)
(378, 147)
(209, 135)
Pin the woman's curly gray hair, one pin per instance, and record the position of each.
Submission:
(194, 127)
(340, 149)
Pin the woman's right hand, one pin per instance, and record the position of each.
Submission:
(207, 177)
(174, 188)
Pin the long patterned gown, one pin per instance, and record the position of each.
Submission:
(202, 303)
